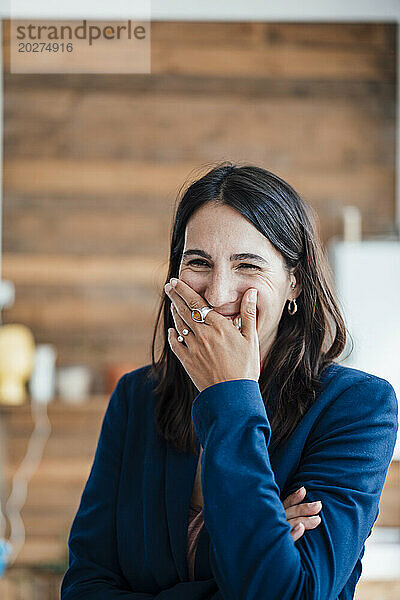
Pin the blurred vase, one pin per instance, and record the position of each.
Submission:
(17, 350)
(74, 383)
(43, 380)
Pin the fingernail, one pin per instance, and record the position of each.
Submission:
(315, 518)
(316, 504)
(173, 281)
(253, 295)
(302, 489)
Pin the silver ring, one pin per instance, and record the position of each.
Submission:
(180, 338)
(199, 314)
(185, 331)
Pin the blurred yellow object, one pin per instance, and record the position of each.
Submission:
(17, 351)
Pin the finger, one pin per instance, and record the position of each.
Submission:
(186, 300)
(180, 351)
(294, 498)
(305, 509)
(178, 321)
(308, 522)
(297, 532)
(248, 314)
(180, 305)
(181, 327)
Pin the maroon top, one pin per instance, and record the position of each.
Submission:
(195, 524)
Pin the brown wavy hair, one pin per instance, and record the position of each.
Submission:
(306, 343)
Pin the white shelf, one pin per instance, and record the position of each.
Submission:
(368, 289)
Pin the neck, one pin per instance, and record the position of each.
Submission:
(265, 346)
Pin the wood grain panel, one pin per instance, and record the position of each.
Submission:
(244, 49)
(166, 84)
(337, 126)
(378, 36)
(389, 506)
(31, 583)
(23, 584)
(71, 176)
(359, 185)
(87, 231)
(377, 590)
(83, 270)
(53, 493)
(293, 63)
(74, 313)
(76, 446)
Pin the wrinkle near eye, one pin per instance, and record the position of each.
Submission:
(268, 282)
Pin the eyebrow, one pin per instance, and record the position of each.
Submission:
(241, 256)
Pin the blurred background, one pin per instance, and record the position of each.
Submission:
(92, 164)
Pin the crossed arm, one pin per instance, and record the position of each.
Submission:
(344, 464)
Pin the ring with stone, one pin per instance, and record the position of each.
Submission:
(199, 314)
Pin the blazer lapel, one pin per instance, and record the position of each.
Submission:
(180, 473)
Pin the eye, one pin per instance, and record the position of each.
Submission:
(200, 263)
(248, 265)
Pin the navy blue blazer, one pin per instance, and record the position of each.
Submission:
(128, 539)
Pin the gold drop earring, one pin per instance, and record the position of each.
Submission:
(292, 306)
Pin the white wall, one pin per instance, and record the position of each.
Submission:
(367, 278)
(225, 10)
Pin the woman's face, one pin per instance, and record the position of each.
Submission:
(213, 235)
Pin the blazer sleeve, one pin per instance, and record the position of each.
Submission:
(344, 464)
(94, 570)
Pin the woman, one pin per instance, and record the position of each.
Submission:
(192, 492)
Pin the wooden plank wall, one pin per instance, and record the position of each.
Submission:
(55, 489)
(93, 164)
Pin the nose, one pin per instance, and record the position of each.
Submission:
(221, 292)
